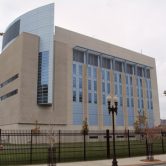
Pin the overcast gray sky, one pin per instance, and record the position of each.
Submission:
(133, 24)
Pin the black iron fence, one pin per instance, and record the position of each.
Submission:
(32, 147)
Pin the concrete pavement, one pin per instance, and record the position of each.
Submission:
(133, 161)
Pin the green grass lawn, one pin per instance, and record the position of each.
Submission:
(23, 154)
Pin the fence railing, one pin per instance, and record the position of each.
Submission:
(29, 147)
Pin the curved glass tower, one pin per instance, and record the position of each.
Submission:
(40, 22)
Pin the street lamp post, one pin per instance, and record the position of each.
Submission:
(164, 92)
(113, 107)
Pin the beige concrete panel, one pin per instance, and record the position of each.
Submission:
(99, 99)
(63, 82)
(125, 112)
(10, 64)
(10, 110)
(10, 86)
(29, 109)
(155, 97)
(69, 101)
(76, 39)
(85, 92)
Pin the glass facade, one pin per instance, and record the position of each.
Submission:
(77, 94)
(92, 93)
(42, 91)
(11, 33)
(122, 70)
(149, 103)
(78, 60)
(118, 93)
(105, 92)
(130, 99)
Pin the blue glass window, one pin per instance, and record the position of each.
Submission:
(108, 76)
(118, 66)
(139, 71)
(147, 94)
(132, 102)
(80, 96)
(78, 56)
(89, 97)
(89, 72)
(116, 90)
(137, 82)
(137, 92)
(108, 88)
(95, 86)
(131, 90)
(115, 77)
(120, 89)
(151, 104)
(92, 59)
(106, 63)
(142, 103)
(11, 33)
(151, 94)
(127, 80)
(131, 81)
(42, 91)
(129, 69)
(104, 99)
(80, 69)
(89, 84)
(138, 104)
(74, 96)
(128, 103)
(141, 93)
(94, 73)
(120, 79)
(80, 83)
(150, 86)
(95, 98)
(74, 82)
(74, 69)
(103, 75)
(141, 82)
(103, 86)
(127, 89)
(121, 101)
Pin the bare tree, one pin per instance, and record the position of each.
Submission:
(85, 127)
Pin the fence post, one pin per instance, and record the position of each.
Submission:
(147, 154)
(128, 138)
(162, 141)
(31, 147)
(59, 146)
(0, 136)
(108, 143)
(1, 146)
(84, 145)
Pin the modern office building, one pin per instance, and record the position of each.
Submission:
(60, 77)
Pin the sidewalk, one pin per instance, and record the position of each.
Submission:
(133, 161)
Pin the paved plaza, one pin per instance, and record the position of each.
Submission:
(133, 161)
